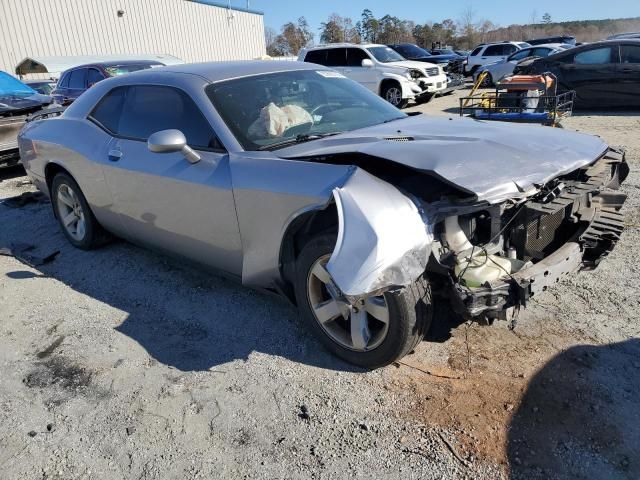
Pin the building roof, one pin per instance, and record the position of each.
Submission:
(56, 64)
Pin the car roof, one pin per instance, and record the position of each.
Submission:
(343, 45)
(115, 63)
(219, 71)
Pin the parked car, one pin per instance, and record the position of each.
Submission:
(498, 70)
(293, 178)
(45, 87)
(450, 63)
(603, 74)
(490, 53)
(75, 81)
(625, 36)
(563, 39)
(17, 101)
(463, 53)
(382, 70)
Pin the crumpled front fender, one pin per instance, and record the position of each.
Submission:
(383, 240)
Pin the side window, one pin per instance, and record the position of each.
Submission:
(316, 56)
(630, 53)
(521, 54)
(597, 56)
(355, 57)
(94, 76)
(150, 108)
(476, 52)
(493, 51)
(336, 57)
(78, 78)
(107, 112)
(64, 81)
(508, 49)
(542, 52)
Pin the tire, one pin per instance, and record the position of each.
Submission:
(392, 93)
(69, 202)
(487, 82)
(409, 313)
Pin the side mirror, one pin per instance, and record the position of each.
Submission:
(366, 63)
(169, 141)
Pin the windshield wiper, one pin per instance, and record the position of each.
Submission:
(303, 137)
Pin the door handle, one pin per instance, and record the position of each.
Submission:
(115, 155)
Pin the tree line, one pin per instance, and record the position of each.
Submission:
(463, 33)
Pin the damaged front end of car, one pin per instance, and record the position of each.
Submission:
(496, 259)
(487, 259)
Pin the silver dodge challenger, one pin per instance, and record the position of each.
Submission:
(293, 178)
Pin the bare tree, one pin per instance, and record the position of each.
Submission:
(468, 27)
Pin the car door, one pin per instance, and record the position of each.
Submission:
(493, 53)
(163, 200)
(592, 74)
(94, 76)
(366, 76)
(337, 59)
(77, 84)
(628, 77)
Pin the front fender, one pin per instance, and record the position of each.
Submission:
(407, 85)
(383, 241)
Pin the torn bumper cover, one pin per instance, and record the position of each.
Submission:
(571, 231)
(383, 241)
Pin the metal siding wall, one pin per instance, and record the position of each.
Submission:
(191, 31)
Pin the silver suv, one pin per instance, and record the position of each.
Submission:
(487, 53)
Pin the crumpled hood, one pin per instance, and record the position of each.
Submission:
(492, 160)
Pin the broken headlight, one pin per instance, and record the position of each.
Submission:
(414, 74)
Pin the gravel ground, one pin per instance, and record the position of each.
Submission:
(120, 363)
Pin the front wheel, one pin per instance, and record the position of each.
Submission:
(392, 93)
(74, 215)
(375, 333)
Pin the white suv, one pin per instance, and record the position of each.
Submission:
(487, 53)
(381, 70)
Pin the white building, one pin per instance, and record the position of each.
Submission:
(193, 30)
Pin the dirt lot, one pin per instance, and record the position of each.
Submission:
(121, 363)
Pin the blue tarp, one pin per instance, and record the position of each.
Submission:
(11, 85)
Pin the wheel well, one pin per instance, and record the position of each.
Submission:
(50, 172)
(300, 231)
(387, 82)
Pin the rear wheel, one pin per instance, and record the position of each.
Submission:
(392, 93)
(376, 332)
(74, 215)
(487, 81)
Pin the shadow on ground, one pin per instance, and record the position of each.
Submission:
(580, 417)
(184, 318)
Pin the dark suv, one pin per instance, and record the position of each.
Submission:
(76, 80)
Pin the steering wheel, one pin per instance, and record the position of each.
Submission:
(317, 110)
(297, 129)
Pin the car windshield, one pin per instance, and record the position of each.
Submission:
(12, 86)
(271, 110)
(115, 70)
(385, 54)
(412, 51)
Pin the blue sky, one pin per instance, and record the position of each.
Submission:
(502, 12)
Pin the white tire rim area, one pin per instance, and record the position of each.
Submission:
(394, 96)
(358, 329)
(71, 212)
